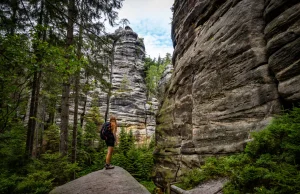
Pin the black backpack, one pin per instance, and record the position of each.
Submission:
(105, 131)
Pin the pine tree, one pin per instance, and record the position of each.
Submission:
(13, 17)
(66, 84)
(124, 22)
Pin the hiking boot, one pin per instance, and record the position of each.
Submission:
(109, 166)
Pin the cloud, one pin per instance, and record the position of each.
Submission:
(151, 20)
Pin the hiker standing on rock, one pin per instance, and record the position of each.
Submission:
(108, 133)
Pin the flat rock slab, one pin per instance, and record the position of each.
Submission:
(209, 187)
(111, 181)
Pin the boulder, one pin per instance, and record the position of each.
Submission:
(111, 181)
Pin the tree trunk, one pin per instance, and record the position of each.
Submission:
(34, 98)
(64, 118)
(42, 127)
(84, 103)
(51, 115)
(14, 5)
(74, 140)
(77, 82)
(32, 113)
(110, 80)
(66, 85)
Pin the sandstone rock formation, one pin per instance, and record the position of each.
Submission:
(163, 82)
(236, 63)
(208, 187)
(128, 102)
(111, 181)
(282, 33)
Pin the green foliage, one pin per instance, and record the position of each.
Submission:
(93, 121)
(142, 160)
(17, 66)
(51, 136)
(34, 176)
(269, 164)
(90, 160)
(126, 141)
(137, 160)
(12, 146)
(34, 57)
(8, 182)
(150, 186)
(95, 116)
(154, 70)
(191, 179)
(15, 63)
(124, 85)
(90, 157)
(60, 168)
(38, 182)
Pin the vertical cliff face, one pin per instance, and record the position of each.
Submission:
(164, 81)
(235, 63)
(282, 33)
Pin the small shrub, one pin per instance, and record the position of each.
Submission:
(39, 182)
(8, 182)
(150, 186)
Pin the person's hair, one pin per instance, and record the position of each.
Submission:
(113, 123)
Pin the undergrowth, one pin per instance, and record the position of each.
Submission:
(269, 164)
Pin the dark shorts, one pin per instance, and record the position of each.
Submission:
(110, 142)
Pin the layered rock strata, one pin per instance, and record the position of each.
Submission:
(282, 33)
(236, 62)
(163, 82)
(128, 100)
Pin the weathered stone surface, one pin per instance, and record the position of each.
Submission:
(283, 36)
(209, 187)
(164, 81)
(235, 63)
(112, 181)
(151, 109)
(129, 102)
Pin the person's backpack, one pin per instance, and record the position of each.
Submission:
(105, 131)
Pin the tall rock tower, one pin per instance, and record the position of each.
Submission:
(129, 101)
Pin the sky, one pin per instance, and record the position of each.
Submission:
(151, 20)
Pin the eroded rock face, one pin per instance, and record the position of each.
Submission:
(164, 81)
(282, 33)
(227, 79)
(129, 101)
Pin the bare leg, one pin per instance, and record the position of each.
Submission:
(109, 154)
